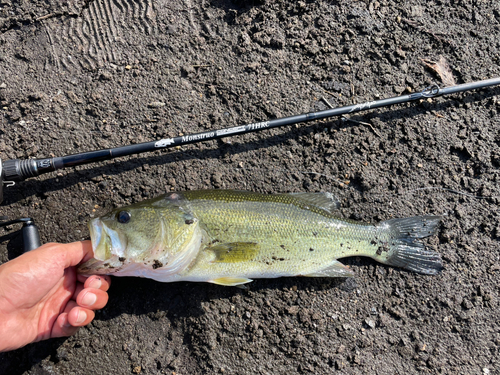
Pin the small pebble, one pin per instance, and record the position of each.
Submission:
(156, 105)
(370, 323)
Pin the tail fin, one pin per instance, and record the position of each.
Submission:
(405, 249)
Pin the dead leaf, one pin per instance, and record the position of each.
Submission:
(442, 68)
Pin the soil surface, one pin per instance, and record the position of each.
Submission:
(80, 75)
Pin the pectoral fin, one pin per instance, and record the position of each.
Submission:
(230, 281)
(235, 252)
(336, 269)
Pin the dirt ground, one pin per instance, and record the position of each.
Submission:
(80, 75)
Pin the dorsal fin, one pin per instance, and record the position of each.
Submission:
(325, 201)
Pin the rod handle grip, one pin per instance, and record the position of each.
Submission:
(31, 236)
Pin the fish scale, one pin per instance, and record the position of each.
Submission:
(284, 230)
(231, 237)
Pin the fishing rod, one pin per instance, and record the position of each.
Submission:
(12, 171)
(29, 232)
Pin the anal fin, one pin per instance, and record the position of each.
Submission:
(335, 269)
(230, 281)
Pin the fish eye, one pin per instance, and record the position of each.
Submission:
(123, 217)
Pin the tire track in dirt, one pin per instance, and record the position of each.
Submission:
(94, 37)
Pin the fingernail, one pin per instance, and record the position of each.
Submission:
(96, 283)
(82, 315)
(89, 299)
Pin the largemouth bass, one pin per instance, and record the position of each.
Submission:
(231, 237)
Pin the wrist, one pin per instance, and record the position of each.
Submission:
(9, 318)
(8, 337)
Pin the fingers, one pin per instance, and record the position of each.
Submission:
(93, 299)
(71, 319)
(98, 282)
(79, 311)
(80, 316)
(92, 294)
(93, 282)
(81, 278)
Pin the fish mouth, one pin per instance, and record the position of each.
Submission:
(108, 247)
(95, 228)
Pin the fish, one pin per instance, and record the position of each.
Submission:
(231, 237)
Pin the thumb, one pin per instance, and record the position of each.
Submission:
(72, 253)
(78, 252)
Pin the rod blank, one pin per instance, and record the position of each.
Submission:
(19, 170)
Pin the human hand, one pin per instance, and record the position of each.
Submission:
(42, 296)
